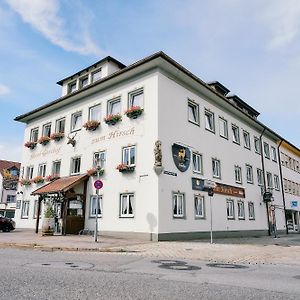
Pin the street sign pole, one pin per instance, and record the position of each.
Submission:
(98, 184)
(211, 222)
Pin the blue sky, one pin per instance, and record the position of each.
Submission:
(252, 47)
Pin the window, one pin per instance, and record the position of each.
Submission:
(84, 81)
(257, 145)
(75, 165)
(29, 172)
(285, 185)
(60, 125)
(199, 206)
(56, 168)
(178, 205)
(197, 163)
(238, 174)
(209, 120)
(276, 182)
(193, 112)
(72, 87)
(93, 205)
(216, 168)
(34, 135)
(230, 209)
(289, 186)
(128, 156)
(114, 107)
(136, 99)
(99, 159)
(76, 121)
(25, 210)
(42, 170)
(235, 134)
(260, 177)
(223, 127)
(249, 174)
(241, 210)
(269, 181)
(95, 113)
(273, 153)
(47, 130)
(251, 210)
(96, 75)
(126, 205)
(11, 199)
(267, 150)
(246, 136)
(14, 172)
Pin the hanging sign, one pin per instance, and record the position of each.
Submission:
(181, 156)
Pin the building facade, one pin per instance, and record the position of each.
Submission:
(155, 134)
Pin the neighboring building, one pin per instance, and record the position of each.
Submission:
(177, 132)
(9, 176)
(290, 159)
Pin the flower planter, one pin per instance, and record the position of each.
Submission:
(94, 172)
(57, 136)
(44, 140)
(38, 179)
(52, 177)
(113, 119)
(134, 112)
(125, 169)
(25, 182)
(91, 125)
(48, 226)
(30, 145)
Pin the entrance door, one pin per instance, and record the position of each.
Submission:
(75, 215)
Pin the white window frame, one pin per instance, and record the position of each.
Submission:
(247, 140)
(34, 137)
(235, 137)
(129, 198)
(249, 173)
(269, 180)
(199, 205)
(71, 85)
(267, 150)
(238, 174)
(93, 75)
(29, 172)
(98, 118)
(241, 210)
(197, 163)
(223, 124)
(257, 145)
(260, 177)
(131, 97)
(209, 118)
(251, 210)
(216, 166)
(92, 212)
(73, 164)
(46, 130)
(110, 105)
(276, 182)
(54, 164)
(273, 154)
(82, 79)
(75, 127)
(58, 125)
(99, 155)
(194, 108)
(178, 210)
(230, 209)
(42, 170)
(25, 209)
(131, 162)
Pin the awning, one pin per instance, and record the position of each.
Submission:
(60, 185)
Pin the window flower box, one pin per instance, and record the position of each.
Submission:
(91, 125)
(113, 119)
(57, 136)
(134, 112)
(123, 168)
(95, 171)
(38, 179)
(52, 177)
(30, 145)
(44, 140)
(25, 182)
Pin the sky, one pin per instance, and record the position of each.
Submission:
(252, 47)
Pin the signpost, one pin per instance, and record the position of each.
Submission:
(98, 184)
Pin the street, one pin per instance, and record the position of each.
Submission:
(35, 274)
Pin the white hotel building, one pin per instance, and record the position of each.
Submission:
(185, 132)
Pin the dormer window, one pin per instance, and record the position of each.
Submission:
(84, 81)
(72, 87)
(96, 75)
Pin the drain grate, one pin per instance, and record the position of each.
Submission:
(177, 265)
(226, 266)
(62, 265)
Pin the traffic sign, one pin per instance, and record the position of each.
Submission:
(98, 184)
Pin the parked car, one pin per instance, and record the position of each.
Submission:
(7, 224)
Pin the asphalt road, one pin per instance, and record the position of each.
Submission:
(33, 274)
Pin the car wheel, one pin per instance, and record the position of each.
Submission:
(6, 228)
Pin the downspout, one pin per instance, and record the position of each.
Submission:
(282, 187)
(264, 176)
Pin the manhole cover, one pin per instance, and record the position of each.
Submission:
(62, 265)
(175, 265)
(226, 266)
(297, 277)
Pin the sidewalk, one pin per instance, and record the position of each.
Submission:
(285, 250)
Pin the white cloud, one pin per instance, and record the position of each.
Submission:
(43, 15)
(11, 151)
(4, 90)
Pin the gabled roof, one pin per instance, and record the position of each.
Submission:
(6, 164)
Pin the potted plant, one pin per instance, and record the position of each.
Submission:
(25, 182)
(38, 179)
(133, 112)
(30, 145)
(48, 220)
(125, 168)
(57, 136)
(52, 177)
(91, 125)
(44, 140)
(113, 119)
(95, 171)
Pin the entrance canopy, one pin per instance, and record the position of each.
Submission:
(60, 185)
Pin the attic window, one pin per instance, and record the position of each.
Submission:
(96, 75)
(72, 87)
